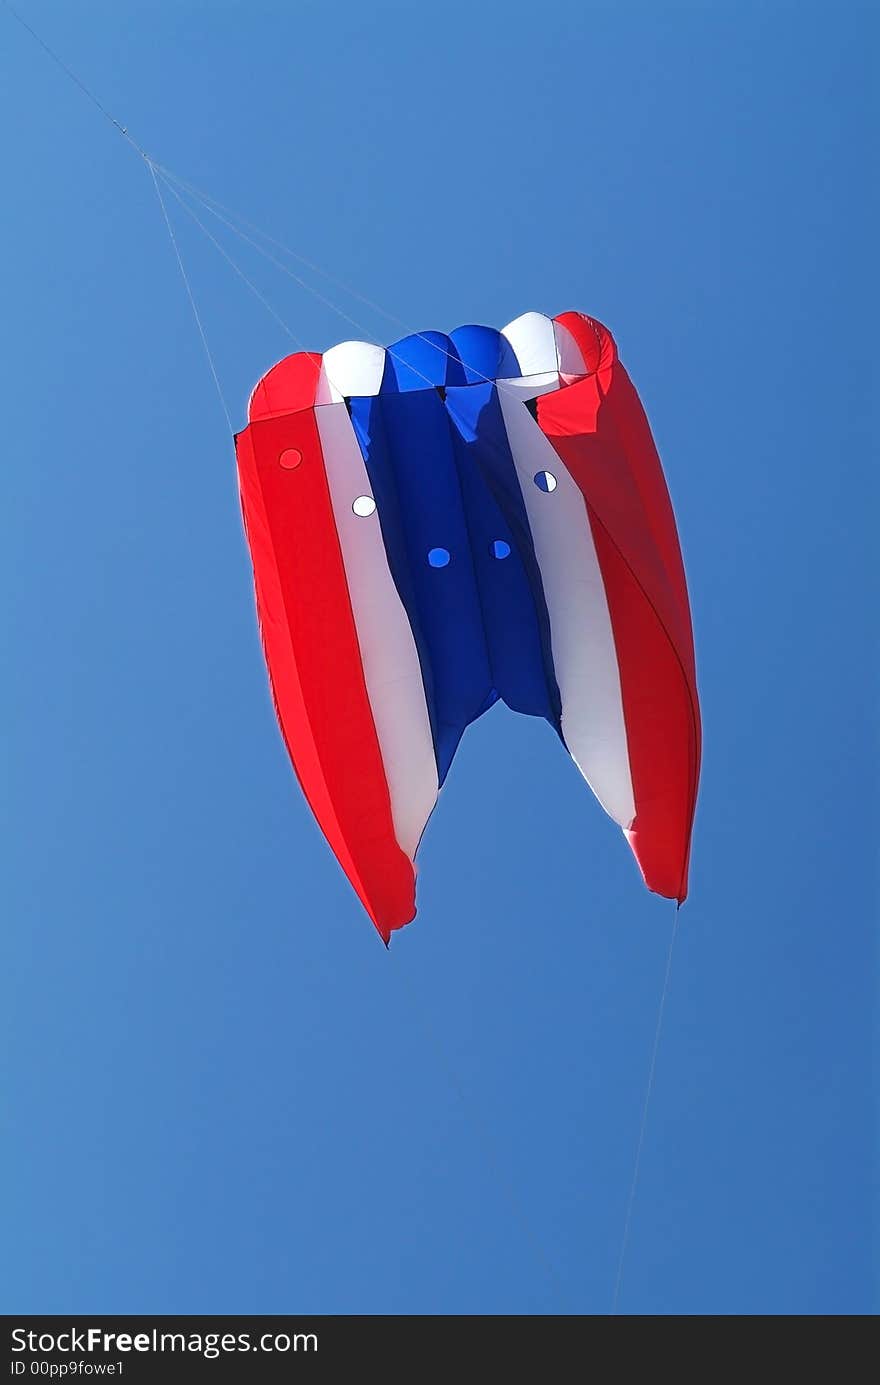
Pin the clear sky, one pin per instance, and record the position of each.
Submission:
(221, 1094)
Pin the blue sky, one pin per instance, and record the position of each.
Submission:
(221, 1094)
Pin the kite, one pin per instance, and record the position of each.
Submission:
(452, 521)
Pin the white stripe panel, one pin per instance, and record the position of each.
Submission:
(351, 368)
(391, 663)
(533, 342)
(571, 358)
(528, 386)
(581, 637)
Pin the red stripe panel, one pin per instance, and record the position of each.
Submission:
(314, 661)
(621, 403)
(291, 384)
(662, 731)
(593, 428)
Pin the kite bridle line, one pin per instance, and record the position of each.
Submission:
(230, 218)
(192, 300)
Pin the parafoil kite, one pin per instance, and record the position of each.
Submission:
(450, 521)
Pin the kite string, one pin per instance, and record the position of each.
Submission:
(644, 1120)
(77, 81)
(191, 297)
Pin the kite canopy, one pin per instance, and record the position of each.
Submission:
(453, 521)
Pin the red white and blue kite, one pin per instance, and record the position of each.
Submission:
(451, 521)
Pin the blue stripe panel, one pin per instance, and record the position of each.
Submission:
(456, 534)
(417, 362)
(485, 354)
(517, 621)
(408, 452)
